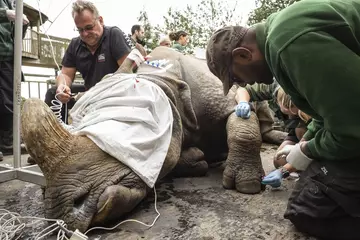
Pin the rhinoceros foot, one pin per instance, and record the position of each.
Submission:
(116, 201)
(191, 164)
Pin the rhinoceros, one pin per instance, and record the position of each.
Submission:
(87, 187)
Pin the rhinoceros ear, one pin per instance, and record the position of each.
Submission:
(45, 139)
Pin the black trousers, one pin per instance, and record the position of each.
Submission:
(50, 96)
(326, 202)
(6, 94)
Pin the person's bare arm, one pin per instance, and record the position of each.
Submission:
(242, 95)
(63, 83)
(121, 60)
(66, 76)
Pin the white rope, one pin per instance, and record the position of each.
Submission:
(12, 225)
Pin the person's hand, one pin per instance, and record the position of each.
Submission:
(284, 152)
(243, 110)
(136, 56)
(273, 179)
(63, 93)
(11, 15)
(297, 158)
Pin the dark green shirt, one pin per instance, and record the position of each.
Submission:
(263, 92)
(6, 30)
(178, 47)
(313, 48)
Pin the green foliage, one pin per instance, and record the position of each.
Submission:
(151, 36)
(267, 7)
(199, 22)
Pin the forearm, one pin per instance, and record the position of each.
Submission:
(64, 79)
(330, 146)
(242, 95)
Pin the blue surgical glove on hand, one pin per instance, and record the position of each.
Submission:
(273, 179)
(243, 110)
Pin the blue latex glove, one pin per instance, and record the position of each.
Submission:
(243, 110)
(273, 179)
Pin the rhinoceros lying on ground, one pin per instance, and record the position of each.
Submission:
(87, 187)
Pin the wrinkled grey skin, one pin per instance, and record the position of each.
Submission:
(87, 187)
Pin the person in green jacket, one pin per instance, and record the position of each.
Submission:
(312, 48)
(180, 39)
(7, 26)
(255, 97)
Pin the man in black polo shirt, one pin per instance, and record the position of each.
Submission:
(99, 50)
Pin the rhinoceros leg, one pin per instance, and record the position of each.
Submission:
(243, 169)
(266, 121)
(191, 164)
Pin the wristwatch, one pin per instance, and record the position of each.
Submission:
(285, 173)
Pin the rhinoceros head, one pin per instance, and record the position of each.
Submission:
(84, 185)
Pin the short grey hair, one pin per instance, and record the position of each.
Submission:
(80, 5)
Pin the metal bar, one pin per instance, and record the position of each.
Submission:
(35, 168)
(31, 176)
(37, 75)
(39, 94)
(17, 82)
(38, 40)
(5, 168)
(28, 83)
(7, 175)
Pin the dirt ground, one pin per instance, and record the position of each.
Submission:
(190, 208)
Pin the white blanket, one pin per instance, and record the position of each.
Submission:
(129, 118)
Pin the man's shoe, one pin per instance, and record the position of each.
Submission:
(1, 156)
(6, 143)
(8, 149)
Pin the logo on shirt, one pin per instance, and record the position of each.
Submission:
(101, 57)
(325, 171)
